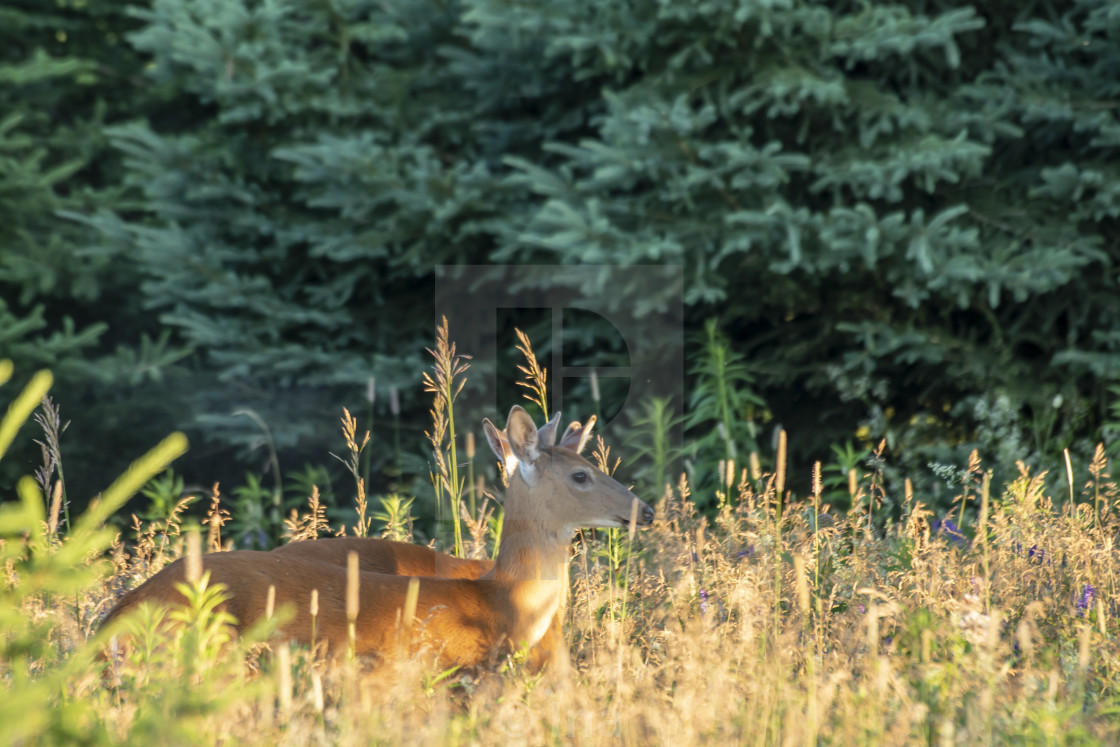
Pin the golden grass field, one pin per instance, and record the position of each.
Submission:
(775, 622)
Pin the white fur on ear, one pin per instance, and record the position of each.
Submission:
(500, 446)
(511, 463)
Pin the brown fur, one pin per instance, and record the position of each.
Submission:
(374, 556)
(386, 556)
(475, 611)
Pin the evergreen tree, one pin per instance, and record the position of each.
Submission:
(66, 71)
(900, 212)
(903, 212)
(319, 163)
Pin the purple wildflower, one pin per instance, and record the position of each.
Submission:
(949, 527)
(1085, 600)
(703, 602)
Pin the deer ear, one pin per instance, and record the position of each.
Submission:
(547, 433)
(495, 438)
(500, 446)
(576, 436)
(521, 433)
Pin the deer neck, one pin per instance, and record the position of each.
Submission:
(532, 550)
(534, 544)
(532, 564)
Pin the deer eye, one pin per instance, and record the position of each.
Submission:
(580, 477)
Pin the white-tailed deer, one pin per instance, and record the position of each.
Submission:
(468, 622)
(406, 559)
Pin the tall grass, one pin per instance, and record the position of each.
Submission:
(446, 381)
(768, 621)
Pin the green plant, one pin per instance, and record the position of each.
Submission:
(196, 642)
(254, 524)
(1110, 430)
(45, 576)
(299, 485)
(164, 491)
(654, 433)
(723, 410)
(842, 472)
(396, 517)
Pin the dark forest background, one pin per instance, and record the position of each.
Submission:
(885, 220)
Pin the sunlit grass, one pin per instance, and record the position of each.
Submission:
(772, 622)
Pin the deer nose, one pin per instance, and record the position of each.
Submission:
(647, 515)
